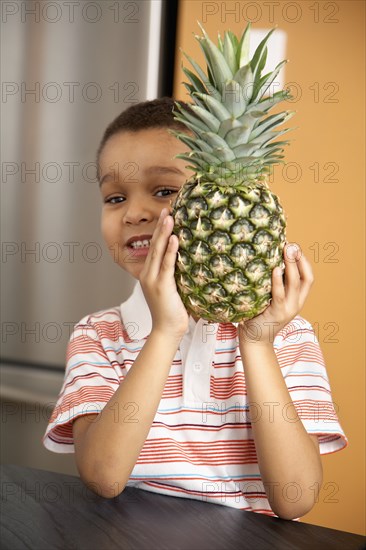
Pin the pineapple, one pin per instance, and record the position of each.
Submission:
(230, 226)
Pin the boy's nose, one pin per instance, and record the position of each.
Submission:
(136, 213)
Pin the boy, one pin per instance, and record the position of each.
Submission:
(158, 400)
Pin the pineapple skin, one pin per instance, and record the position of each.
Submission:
(231, 237)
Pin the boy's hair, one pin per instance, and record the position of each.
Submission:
(157, 113)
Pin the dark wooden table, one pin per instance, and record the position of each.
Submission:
(47, 511)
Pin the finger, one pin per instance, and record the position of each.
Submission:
(292, 255)
(306, 278)
(155, 234)
(278, 289)
(147, 263)
(163, 215)
(159, 245)
(170, 256)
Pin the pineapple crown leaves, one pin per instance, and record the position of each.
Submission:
(229, 116)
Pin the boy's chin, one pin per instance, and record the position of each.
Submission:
(133, 270)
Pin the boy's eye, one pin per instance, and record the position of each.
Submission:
(114, 200)
(166, 192)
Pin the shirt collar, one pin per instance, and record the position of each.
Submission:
(136, 315)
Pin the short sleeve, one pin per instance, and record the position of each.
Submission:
(302, 365)
(89, 383)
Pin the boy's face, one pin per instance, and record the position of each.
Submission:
(139, 177)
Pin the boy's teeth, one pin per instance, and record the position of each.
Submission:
(141, 244)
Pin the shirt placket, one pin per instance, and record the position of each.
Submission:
(198, 347)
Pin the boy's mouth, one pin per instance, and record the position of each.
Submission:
(139, 242)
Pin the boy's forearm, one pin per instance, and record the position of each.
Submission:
(288, 460)
(113, 441)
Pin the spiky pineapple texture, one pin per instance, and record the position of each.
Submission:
(230, 226)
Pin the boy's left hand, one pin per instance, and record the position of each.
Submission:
(288, 299)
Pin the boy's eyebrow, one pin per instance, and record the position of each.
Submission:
(108, 175)
(164, 170)
(152, 170)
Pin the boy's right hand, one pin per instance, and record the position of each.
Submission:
(168, 313)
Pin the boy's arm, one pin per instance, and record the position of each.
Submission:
(107, 445)
(288, 458)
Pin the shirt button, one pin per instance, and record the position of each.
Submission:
(197, 367)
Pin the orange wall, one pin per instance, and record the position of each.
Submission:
(326, 53)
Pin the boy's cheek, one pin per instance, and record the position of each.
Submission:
(109, 237)
(106, 226)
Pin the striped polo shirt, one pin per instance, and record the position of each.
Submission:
(200, 444)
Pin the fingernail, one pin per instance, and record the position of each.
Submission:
(292, 251)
